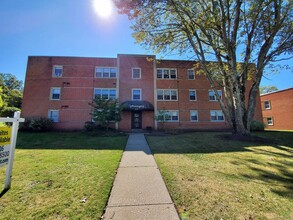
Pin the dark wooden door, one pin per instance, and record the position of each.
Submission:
(136, 120)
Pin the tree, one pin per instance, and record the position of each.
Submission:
(241, 37)
(105, 111)
(267, 89)
(10, 94)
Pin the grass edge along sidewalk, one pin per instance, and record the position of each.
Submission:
(210, 176)
(61, 175)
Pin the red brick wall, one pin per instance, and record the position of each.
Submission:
(126, 84)
(78, 82)
(77, 88)
(281, 109)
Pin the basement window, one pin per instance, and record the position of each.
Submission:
(270, 121)
(54, 115)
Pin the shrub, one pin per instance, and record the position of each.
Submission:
(25, 126)
(41, 124)
(257, 126)
(37, 124)
(90, 126)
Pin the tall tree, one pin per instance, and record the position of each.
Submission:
(242, 36)
(10, 94)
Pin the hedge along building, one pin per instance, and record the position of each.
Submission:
(61, 88)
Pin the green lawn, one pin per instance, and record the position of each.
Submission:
(211, 177)
(61, 176)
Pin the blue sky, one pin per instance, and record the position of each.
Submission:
(72, 28)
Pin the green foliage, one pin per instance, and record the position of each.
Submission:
(37, 124)
(105, 111)
(242, 38)
(7, 111)
(257, 126)
(10, 95)
(90, 126)
(267, 89)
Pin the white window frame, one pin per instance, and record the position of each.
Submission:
(133, 74)
(132, 94)
(50, 111)
(218, 113)
(269, 104)
(192, 90)
(214, 99)
(104, 72)
(55, 67)
(270, 121)
(51, 93)
(193, 74)
(108, 92)
(193, 111)
(164, 73)
(169, 113)
(165, 91)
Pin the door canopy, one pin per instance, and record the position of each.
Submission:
(137, 106)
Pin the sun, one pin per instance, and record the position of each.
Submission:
(103, 7)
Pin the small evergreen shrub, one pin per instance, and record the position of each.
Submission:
(90, 126)
(42, 124)
(25, 126)
(37, 124)
(257, 126)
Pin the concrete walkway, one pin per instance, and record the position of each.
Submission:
(139, 191)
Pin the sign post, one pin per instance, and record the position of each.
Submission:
(8, 138)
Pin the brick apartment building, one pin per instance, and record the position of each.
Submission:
(61, 88)
(277, 109)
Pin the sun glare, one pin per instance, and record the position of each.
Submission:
(103, 7)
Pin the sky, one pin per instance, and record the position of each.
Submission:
(74, 28)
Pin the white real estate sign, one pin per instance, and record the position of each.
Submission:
(8, 136)
(5, 145)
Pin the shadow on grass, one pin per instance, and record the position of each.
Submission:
(71, 141)
(270, 164)
(219, 142)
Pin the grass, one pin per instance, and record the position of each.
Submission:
(211, 177)
(61, 176)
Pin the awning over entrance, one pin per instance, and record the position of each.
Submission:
(137, 106)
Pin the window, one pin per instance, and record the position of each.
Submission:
(106, 72)
(54, 115)
(217, 115)
(212, 96)
(192, 95)
(167, 94)
(190, 74)
(164, 73)
(270, 121)
(57, 71)
(267, 104)
(193, 115)
(136, 94)
(55, 93)
(170, 116)
(136, 73)
(105, 93)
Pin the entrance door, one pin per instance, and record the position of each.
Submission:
(136, 119)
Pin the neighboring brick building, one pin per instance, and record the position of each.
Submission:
(61, 88)
(277, 109)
